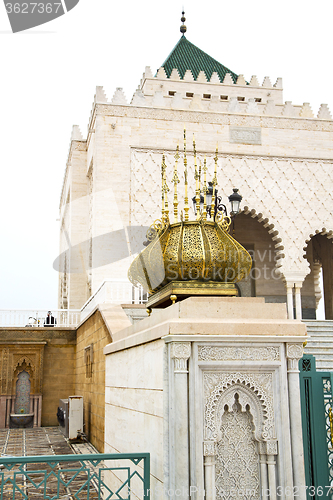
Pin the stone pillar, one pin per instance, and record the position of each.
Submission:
(293, 354)
(290, 304)
(180, 353)
(209, 464)
(271, 450)
(263, 471)
(298, 301)
(3, 405)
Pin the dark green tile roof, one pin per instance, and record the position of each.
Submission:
(186, 56)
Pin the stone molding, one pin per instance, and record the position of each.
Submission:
(217, 353)
(279, 122)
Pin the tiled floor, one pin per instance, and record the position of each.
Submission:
(43, 441)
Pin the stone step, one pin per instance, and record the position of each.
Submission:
(319, 324)
(320, 345)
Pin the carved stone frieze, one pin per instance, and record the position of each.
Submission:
(218, 353)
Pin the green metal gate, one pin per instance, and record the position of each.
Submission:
(317, 423)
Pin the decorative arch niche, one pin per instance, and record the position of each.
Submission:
(25, 364)
(239, 430)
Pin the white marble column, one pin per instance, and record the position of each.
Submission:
(298, 301)
(180, 353)
(293, 354)
(263, 471)
(290, 304)
(209, 464)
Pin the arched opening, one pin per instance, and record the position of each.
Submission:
(319, 253)
(258, 236)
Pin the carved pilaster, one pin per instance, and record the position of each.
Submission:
(181, 352)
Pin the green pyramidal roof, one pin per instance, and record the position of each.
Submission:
(186, 56)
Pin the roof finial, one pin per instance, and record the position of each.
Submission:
(183, 27)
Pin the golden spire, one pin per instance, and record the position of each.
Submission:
(205, 190)
(175, 181)
(186, 207)
(214, 183)
(196, 177)
(165, 189)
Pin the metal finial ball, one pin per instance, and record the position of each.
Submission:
(183, 27)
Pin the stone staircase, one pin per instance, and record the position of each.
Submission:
(320, 343)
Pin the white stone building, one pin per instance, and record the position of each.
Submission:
(279, 155)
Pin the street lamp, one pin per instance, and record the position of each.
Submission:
(235, 198)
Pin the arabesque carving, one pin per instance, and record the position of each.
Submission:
(253, 389)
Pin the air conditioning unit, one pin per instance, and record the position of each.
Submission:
(70, 416)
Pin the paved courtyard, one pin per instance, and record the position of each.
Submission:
(61, 482)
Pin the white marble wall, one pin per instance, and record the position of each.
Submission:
(188, 362)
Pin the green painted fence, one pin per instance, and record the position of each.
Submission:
(82, 477)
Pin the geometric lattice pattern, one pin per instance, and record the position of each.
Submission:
(237, 462)
(69, 476)
(328, 403)
(292, 197)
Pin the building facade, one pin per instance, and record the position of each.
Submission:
(279, 155)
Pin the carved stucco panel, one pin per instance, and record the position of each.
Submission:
(232, 353)
(253, 389)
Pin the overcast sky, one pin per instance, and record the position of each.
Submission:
(48, 80)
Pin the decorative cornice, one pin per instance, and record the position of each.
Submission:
(238, 119)
(230, 154)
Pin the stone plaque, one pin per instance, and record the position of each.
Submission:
(245, 135)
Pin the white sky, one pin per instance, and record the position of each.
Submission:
(48, 80)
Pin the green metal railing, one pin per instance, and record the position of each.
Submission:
(81, 477)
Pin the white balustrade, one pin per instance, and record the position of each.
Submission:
(37, 318)
(110, 291)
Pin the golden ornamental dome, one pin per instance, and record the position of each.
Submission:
(190, 250)
(191, 256)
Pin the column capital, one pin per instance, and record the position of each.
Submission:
(180, 352)
(209, 448)
(294, 353)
